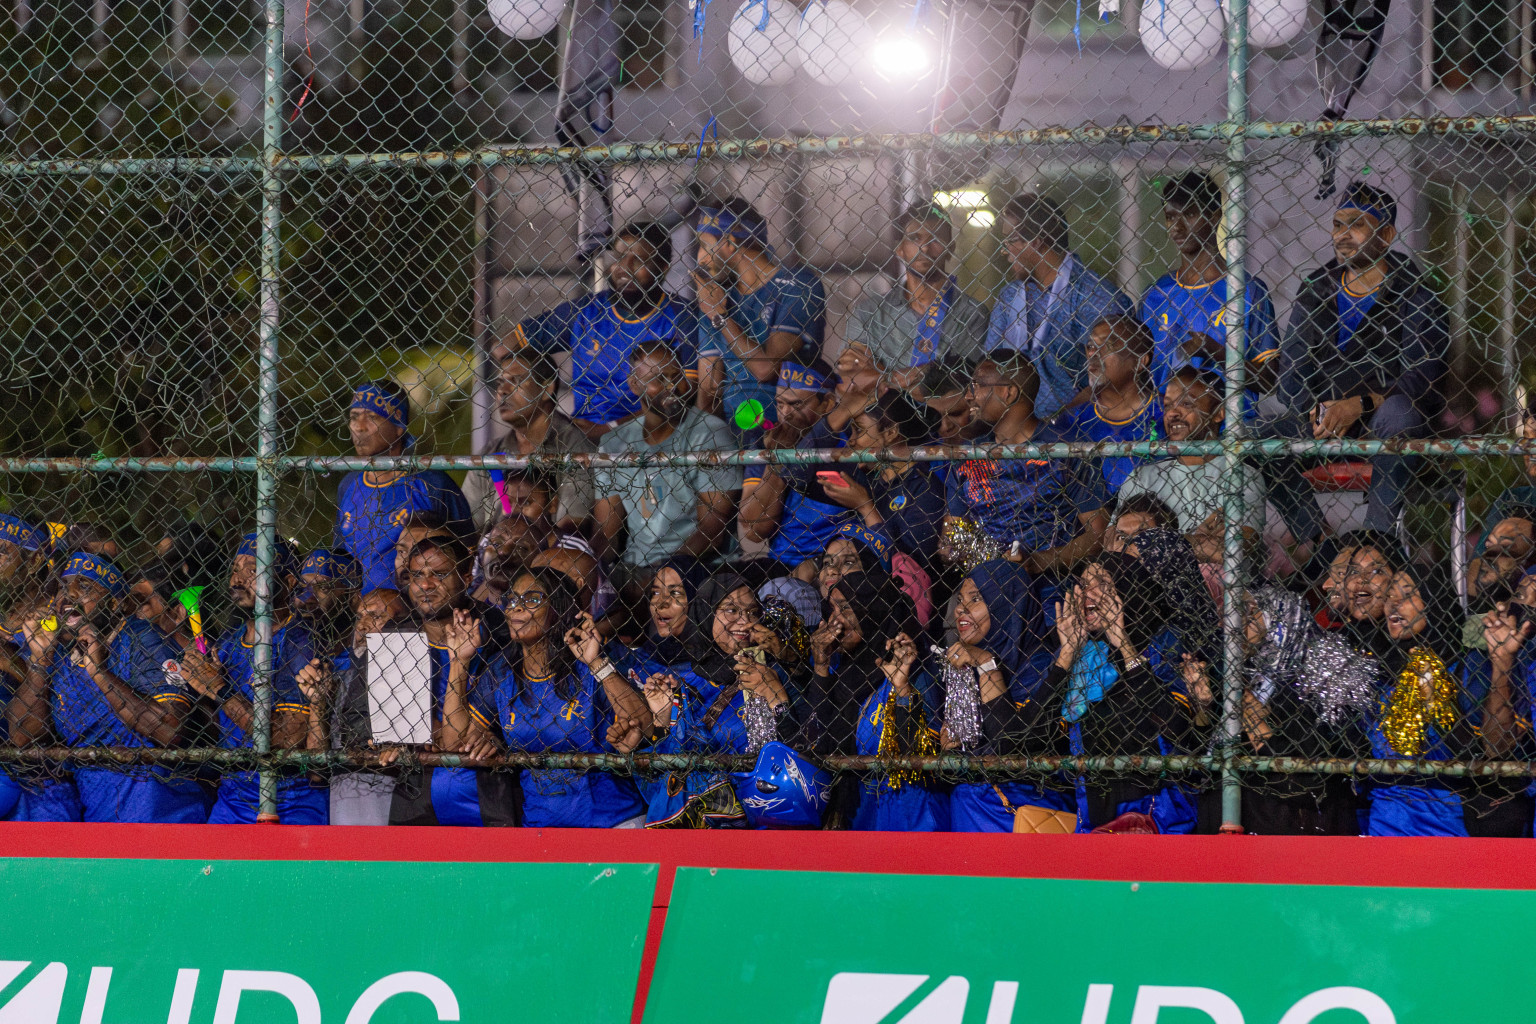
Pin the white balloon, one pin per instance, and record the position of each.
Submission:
(833, 40)
(1272, 22)
(1182, 34)
(767, 55)
(525, 19)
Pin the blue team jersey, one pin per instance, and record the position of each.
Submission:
(1173, 311)
(1034, 501)
(908, 806)
(1352, 310)
(1085, 423)
(140, 657)
(455, 792)
(792, 302)
(600, 340)
(1409, 806)
(695, 731)
(369, 518)
(298, 802)
(531, 715)
(806, 524)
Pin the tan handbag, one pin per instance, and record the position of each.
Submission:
(1040, 820)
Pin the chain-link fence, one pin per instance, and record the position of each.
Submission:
(992, 416)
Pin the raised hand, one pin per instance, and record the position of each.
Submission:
(203, 673)
(462, 636)
(316, 682)
(584, 641)
(901, 656)
(760, 680)
(1197, 679)
(1071, 630)
(658, 691)
(768, 640)
(823, 641)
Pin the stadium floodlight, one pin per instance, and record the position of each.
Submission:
(898, 56)
(963, 198)
(980, 218)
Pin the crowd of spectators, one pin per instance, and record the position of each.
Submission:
(813, 606)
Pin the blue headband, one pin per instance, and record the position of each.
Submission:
(97, 570)
(332, 565)
(21, 533)
(869, 538)
(282, 555)
(724, 224)
(373, 398)
(1383, 214)
(802, 378)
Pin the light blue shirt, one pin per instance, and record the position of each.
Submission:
(1053, 328)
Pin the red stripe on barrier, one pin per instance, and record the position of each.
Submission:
(1437, 863)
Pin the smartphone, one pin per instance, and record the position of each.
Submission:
(824, 478)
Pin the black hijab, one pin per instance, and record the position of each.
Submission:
(1442, 611)
(709, 661)
(1371, 635)
(674, 650)
(1142, 597)
(883, 610)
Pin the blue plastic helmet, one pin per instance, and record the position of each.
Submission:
(784, 790)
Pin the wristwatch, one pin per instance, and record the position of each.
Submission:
(1367, 404)
(990, 665)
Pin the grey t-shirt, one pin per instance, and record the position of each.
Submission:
(574, 501)
(661, 502)
(887, 326)
(1194, 492)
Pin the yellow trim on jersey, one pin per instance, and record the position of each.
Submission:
(539, 679)
(519, 339)
(1195, 287)
(621, 318)
(302, 709)
(1268, 353)
(481, 719)
(1354, 294)
(1120, 423)
(166, 698)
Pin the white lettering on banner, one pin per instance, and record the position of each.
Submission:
(1150, 999)
(41, 999)
(860, 998)
(430, 985)
(1364, 1002)
(290, 986)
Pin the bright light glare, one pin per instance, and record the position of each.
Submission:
(981, 218)
(898, 57)
(965, 198)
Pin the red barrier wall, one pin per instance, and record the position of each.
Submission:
(1444, 863)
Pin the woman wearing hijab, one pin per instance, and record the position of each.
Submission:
(555, 691)
(1306, 693)
(1421, 713)
(1115, 689)
(989, 691)
(864, 657)
(723, 700)
(854, 548)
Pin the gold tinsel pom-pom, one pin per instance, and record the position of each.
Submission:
(1424, 696)
(970, 543)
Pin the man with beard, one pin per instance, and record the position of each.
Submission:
(1363, 357)
(98, 679)
(339, 716)
(525, 401)
(666, 510)
(373, 505)
(1192, 485)
(756, 313)
(326, 600)
(890, 338)
(602, 330)
(228, 681)
(519, 543)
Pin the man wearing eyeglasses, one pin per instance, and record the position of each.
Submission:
(1053, 302)
(890, 338)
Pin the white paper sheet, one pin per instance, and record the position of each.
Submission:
(399, 688)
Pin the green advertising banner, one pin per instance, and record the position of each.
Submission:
(319, 942)
(748, 946)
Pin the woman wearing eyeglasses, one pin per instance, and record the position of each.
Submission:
(552, 691)
(730, 697)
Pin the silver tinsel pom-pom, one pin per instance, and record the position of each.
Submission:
(962, 702)
(1336, 680)
(762, 724)
(970, 544)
